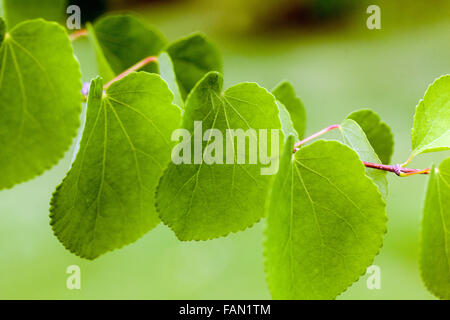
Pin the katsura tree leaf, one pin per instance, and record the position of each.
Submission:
(431, 129)
(16, 11)
(123, 40)
(40, 99)
(285, 93)
(356, 139)
(107, 198)
(377, 132)
(435, 236)
(201, 201)
(168, 74)
(193, 57)
(325, 223)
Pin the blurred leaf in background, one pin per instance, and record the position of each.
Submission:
(90, 10)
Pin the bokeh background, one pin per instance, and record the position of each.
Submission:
(335, 63)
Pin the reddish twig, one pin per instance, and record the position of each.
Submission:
(315, 135)
(398, 169)
(78, 34)
(136, 67)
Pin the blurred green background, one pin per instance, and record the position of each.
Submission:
(336, 64)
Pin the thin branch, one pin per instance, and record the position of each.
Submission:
(315, 135)
(397, 169)
(136, 67)
(78, 34)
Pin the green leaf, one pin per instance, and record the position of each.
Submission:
(107, 198)
(356, 139)
(377, 132)
(285, 93)
(40, 99)
(431, 130)
(168, 74)
(16, 11)
(193, 57)
(121, 41)
(325, 222)
(435, 236)
(201, 201)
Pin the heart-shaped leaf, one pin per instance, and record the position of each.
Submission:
(202, 200)
(325, 222)
(107, 198)
(40, 99)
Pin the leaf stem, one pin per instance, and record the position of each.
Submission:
(78, 34)
(136, 67)
(408, 161)
(314, 136)
(398, 169)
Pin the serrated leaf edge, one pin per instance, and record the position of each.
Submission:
(71, 137)
(158, 209)
(369, 262)
(54, 207)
